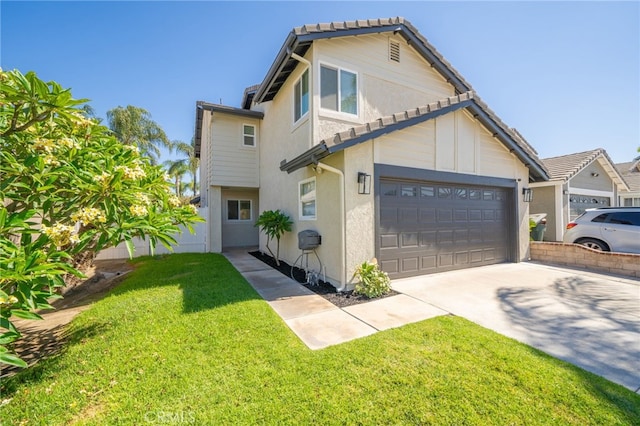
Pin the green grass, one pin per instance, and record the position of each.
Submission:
(185, 338)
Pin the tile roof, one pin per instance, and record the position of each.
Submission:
(565, 167)
(631, 173)
(511, 138)
(300, 39)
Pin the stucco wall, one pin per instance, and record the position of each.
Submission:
(584, 179)
(544, 201)
(385, 87)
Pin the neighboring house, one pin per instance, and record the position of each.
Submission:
(631, 174)
(577, 182)
(364, 133)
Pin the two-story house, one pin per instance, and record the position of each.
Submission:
(364, 133)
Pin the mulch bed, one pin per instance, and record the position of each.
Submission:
(324, 289)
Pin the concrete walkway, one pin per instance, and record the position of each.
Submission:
(590, 320)
(319, 323)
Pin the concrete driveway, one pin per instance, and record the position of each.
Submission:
(590, 320)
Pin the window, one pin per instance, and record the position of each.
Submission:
(248, 135)
(307, 199)
(301, 94)
(625, 218)
(239, 210)
(631, 202)
(338, 90)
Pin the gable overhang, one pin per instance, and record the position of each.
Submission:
(299, 43)
(612, 171)
(536, 172)
(224, 109)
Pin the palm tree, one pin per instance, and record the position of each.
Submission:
(176, 169)
(134, 126)
(191, 161)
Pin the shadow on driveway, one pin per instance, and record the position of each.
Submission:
(582, 321)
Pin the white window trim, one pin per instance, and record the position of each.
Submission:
(300, 210)
(239, 220)
(310, 92)
(255, 136)
(332, 113)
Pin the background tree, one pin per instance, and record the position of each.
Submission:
(133, 126)
(176, 169)
(191, 161)
(69, 189)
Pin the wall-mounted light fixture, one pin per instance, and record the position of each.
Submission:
(364, 183)
(595, 174)
(527, 195)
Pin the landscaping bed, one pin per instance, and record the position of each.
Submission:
(324, 289)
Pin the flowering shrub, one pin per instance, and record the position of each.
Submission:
(69, 189)
(373, 282)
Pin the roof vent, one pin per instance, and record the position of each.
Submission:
(394, 51)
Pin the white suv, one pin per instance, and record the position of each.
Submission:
(607, 229)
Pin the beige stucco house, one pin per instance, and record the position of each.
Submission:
(577, 182)
(364, 133)
(631, 174)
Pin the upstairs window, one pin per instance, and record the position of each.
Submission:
(248, 135)
(301, 94)
(338, 90)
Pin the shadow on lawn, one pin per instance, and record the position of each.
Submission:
(583, 322)
(207, 280)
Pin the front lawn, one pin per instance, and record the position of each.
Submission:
(185, 339)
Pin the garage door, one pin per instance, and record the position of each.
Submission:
(428, 227)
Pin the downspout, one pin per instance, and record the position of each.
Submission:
(343, 279)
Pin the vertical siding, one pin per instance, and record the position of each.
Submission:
(410, 147)
(494, 159)
(446, 142)
(233, 164)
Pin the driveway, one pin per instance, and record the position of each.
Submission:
(588, 319)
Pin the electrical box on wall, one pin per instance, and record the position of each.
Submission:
(309, 239)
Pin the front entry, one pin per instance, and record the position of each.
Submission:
(239, 214)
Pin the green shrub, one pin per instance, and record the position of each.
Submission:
(69, 189)
(274, 223)
(372, 281)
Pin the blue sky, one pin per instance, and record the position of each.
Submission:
(565, 74)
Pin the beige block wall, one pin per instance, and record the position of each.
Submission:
(577, 256)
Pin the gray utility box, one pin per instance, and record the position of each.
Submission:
(308, 240)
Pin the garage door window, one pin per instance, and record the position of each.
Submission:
(238, 210)
(427, 191)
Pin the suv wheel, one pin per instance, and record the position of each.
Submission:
(593, 244)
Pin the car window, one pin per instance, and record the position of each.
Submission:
(625, 218)
(600, 218)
